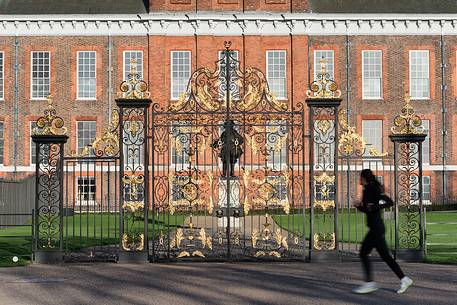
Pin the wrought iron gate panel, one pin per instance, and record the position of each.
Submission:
(91, 198)
(198, 211)
(355, 155)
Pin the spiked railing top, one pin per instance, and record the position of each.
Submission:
(407, 122)
(50, 123)
(323, 86)
(134, 87)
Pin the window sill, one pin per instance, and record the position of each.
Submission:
(380, 99)
(420, 99)
(40, 99)
(86, 100)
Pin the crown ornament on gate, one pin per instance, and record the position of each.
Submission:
(50, 124)
(407, 122)
(323, 86)
(134, 87)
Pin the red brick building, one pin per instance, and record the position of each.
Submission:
(79, 52)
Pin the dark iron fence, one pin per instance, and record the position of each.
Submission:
(16, 220)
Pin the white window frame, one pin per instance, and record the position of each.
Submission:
(31, 75)
(410, 75)
(318, 158)
(364, 135)
(139, 67)
(172, 79)
(222, 79)
(278, 96)
(2, 75)
(277, 159)
(92, 98)
(78, 149)
(173, 153)
(31, 144)
(364, 97)
(130, 160)
(317, 64)
(88, 201)
(427, 140)
(426, 201)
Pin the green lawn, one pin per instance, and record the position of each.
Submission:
(80, 231)
(89, 230)
(441, 231)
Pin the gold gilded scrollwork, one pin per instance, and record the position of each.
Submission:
(134, 181)
(108, 143)
(135, 243)
(50, 123)
(326, 182)
(323, 86)
(134, 87)
(407, 122)
(246, 181)
(321, 241)
(211, 202)
(352, 143)
(206, 240)
(204, 89)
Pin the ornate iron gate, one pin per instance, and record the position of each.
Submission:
(203, 204)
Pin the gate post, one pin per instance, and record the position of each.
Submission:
(49, 137)
(407, 135)
(134, 167)
(323, 100)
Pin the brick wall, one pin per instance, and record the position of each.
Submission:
(204, 52)
(229, 5)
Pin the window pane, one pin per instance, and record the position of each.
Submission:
(86, 190)
(180, 72)
(426, 143)
(41, 74)
(86, 132)
(372, 132)
(181, 137)
(234, 90)
(276, 144)
(419, 74)
(372, 74)
(32, 145)
(87, 84)
(128, 56)
(276, 73)
(327, 55)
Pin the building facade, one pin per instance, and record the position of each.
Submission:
(79, 54)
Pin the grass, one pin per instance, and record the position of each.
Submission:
(80, 231)
(89, 230)
(441, 230)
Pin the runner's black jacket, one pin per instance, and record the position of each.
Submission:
(372, 206)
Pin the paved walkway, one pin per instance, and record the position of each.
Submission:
(220, 283)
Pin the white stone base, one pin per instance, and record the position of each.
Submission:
(234, 222)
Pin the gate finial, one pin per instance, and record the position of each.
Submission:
(323, 86)
(134, 87)
(407, 122)
(50, 123)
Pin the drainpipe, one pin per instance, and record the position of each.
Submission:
(443, 116)
(110, 77)
(348, 93)
(16, 105)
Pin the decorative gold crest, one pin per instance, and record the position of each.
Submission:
(407, 122)
(323, 86)
(50, 123)
(134, 87)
